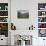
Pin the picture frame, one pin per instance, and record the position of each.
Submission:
(23, 14)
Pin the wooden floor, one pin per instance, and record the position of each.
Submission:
(3, 45)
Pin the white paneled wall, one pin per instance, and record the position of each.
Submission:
(23, 24)
(32, 6)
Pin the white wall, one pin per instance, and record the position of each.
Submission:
(32, 6)
(23, 24)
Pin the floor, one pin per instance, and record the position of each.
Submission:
(3, 45)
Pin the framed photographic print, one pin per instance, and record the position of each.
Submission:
(22, 14)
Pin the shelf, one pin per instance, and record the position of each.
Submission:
(41, 28)
(42, 19)
(3, 22)
(42, 16)
(41, 10)
(3, 16)
(3, 10)
(41, 22)
(4, 19)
